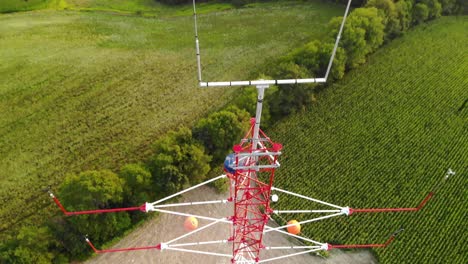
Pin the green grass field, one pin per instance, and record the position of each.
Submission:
(139, 7)
(382, 137)
(7, 6)
(87, 90)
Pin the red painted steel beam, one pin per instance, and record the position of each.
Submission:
(402, 209)
(97, 211)
(389, 240)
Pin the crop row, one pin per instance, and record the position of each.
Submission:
(383, 137)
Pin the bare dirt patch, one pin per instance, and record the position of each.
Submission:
(167, 227)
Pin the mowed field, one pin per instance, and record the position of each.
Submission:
(383, 137)
(93, 90)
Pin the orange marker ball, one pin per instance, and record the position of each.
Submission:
(295, 228)
(191, 223)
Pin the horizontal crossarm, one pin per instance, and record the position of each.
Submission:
(389, 240)
(399, 209)
(406, 209)
(97, 211)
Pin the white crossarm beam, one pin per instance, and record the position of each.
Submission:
(194, 231)
(304, 211)
(296, 236)
(262, 82)
(292, 247)
(256, 167)
(186, 190)
(190, 203)
(199, 252)
(224, 220)
(258, 153)
(307, 198)
(304, 222)
(266, 82)
(200, 243)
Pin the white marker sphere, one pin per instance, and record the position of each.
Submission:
(274, 198)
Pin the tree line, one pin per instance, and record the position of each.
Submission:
(185, 157)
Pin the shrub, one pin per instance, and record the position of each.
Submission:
(434, 8)
(31, 245)
(404, 14)
(138, 187)
(221, 185)
(179, 161)
(291, 97)
(315, 56)
(92, 190)
(387, 10)
(420, 13)
(138, 184)
(221, 130)
(338, 68)
(363, 34)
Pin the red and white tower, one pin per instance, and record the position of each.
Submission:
(251, 170)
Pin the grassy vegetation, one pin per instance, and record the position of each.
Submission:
(382, 137)
(7, 6)
(140, 7)
(123, 5)
(86, 90)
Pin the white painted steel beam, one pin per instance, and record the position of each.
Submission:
(150, 205)
(266, 82)
(307, 198)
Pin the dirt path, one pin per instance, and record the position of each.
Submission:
(167, 227)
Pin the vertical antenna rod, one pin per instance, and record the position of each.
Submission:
(337, 40)
(258, 113)
(197, 44)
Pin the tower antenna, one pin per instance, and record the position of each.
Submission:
(251, 171)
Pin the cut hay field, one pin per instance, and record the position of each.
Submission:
(88, 90)
(383, 137)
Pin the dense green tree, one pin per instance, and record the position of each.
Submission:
(138, 187)
(337, 70)
(221, 130)
(363, 34)
(31, 245)
(448, 6)
(420, 13)
(353, 41)
(71, 240)
(291, 97)
(434, 8)
(315, 56)
(93, 190)
(404, 13)
(307, 56)
(387, 10)
(371, 22)
(179, 160)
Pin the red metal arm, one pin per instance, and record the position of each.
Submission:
(392, 237)
(98, 211)
(420, 206)
(97, 251)
(377, 210)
